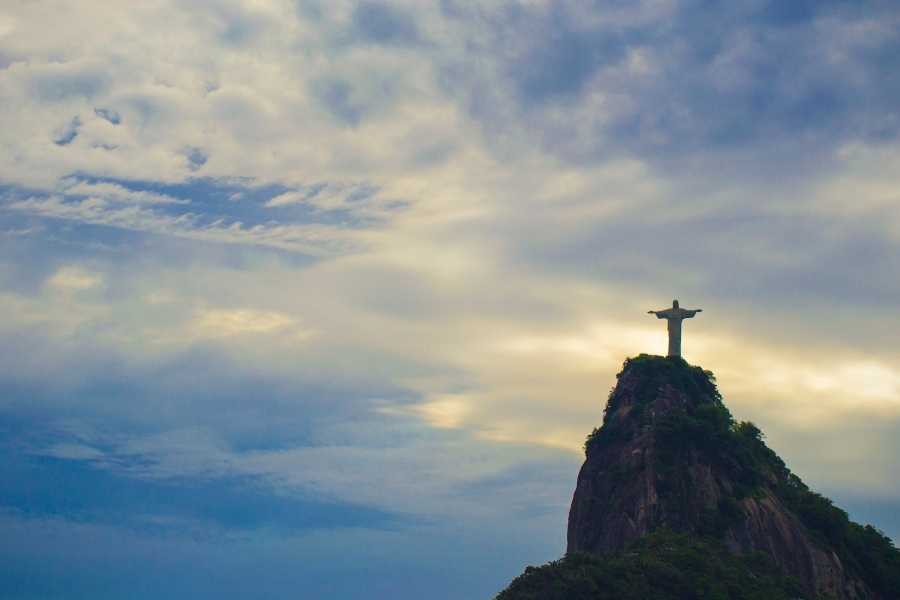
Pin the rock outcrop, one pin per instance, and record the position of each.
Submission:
(670, 457)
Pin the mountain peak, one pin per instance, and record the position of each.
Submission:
(649, 388)
(669, 457)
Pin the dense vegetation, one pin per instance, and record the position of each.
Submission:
(663, 566)
(650, 373)
(706, 428)
(862, 549)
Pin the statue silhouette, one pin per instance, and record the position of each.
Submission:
(675, 316)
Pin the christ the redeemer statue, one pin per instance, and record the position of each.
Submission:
(674, 316)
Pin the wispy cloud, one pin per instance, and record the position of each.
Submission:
(315, 240)
(216, 323)
(114, 193)
(75, 279)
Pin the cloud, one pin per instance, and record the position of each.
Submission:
(68, 133)
(228, 322)
(72, 452)
(313, 239)
(634, 89)
(562, 63)
(296, 196)
(391, 477)
(382, 23)
(108, 114)
(359, 200)
(336, 95)
(209, 507)
(115, 193)
(196, 158)
(76, 552)
(448, 411)
(60, 82)
(74, 279)
(670, 94)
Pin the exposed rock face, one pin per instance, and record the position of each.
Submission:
(640, 477)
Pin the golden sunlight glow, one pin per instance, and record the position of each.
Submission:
(228, 322)
(444, 412)
(74, 279)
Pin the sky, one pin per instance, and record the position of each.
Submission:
(320, 299)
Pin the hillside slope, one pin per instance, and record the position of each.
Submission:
(662, 566)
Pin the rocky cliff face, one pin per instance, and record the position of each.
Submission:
(669, 456)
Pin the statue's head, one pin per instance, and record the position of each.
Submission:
(674, 303)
